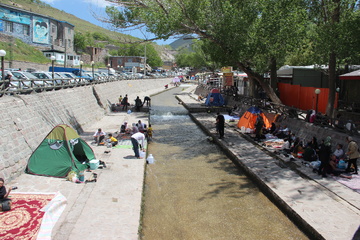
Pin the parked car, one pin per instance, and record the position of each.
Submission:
(47, 78)
(27, 80)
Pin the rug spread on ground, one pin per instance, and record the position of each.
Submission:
(353, 183)
(32, 215)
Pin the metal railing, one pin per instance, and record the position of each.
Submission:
(40, 85)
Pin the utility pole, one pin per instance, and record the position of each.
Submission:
(65, 57)
(145, 63)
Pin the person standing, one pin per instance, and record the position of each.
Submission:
(138, 104)
(135, 138)
(220, 125)
(324, 156)
(259, 124)
(125, 103)
(352, 153)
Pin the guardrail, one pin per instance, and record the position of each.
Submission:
(40, 85)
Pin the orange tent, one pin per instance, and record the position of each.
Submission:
(248, 119)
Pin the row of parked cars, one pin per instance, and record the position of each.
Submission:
(39, 80)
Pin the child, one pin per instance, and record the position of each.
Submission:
(149, 133)
(112, 140)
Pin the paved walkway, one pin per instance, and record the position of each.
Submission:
(323, 206)
(110, 208)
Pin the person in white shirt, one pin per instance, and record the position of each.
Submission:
(135, 138)
(339, 152)
(99, 136)
(141, 126)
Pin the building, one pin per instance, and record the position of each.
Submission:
(128, 63)
(53, 37)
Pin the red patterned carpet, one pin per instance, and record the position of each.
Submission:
(24, 219)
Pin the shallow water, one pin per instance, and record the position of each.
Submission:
(193, 191)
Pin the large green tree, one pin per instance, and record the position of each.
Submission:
(234, 32)
(335, 37)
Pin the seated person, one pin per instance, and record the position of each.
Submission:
(283, 132)
(286, 146)
(339, 152)
(134, 128)
(298, 150)
(112, 140)
(333, 170)
(309, 153)
(141, 126)
(99, 136)
(5, 202)
(123, 127)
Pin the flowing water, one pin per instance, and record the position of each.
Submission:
(193, 191)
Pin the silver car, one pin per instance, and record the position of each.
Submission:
(27, 80)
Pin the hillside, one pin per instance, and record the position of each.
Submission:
(81, 26)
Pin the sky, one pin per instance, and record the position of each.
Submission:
(84, 9)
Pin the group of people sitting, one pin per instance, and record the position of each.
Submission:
(100, 137)
(330, 161)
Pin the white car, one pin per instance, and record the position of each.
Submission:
(27, 80)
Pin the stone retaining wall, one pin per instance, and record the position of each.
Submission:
(27, 119)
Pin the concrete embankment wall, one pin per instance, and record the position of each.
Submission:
(26, 119)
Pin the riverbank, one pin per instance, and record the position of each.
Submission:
(322, 207)
(27, 119)
(111, 207)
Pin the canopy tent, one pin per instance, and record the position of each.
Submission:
(214, 98)
(61, 151)
(248, 119)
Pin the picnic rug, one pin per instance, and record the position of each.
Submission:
(32, 216)
(353, 183)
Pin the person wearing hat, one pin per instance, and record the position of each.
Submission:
(324, 156)
(353, 154)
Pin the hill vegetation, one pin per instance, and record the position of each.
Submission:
(86, 34)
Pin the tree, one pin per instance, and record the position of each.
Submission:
(229, 29)
(333, 31)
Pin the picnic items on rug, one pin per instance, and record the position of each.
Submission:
(274, 143)
(32, 216)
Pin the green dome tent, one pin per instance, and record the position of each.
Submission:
(61, 151)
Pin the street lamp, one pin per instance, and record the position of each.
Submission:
(337, 97)
(81, 63)
(317, 92)
(52, 65)
(92, 67)
(109, 69)
(2, 55)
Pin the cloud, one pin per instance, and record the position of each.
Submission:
(97, 3)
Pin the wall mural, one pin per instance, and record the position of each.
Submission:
(40, 30)
(13, 16)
